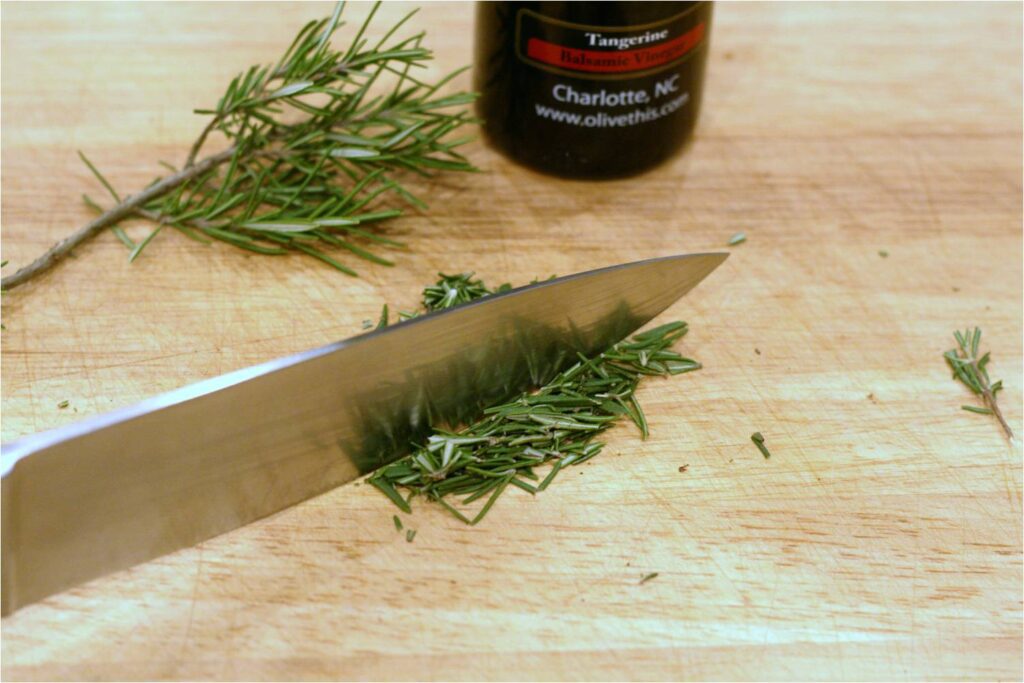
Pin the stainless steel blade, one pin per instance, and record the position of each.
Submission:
(122, 488)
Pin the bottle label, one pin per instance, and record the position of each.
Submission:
(607, 52)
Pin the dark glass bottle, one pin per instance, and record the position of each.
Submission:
(590, 89)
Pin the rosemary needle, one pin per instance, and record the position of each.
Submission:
(398, 523)
(758, 440)
(63, 404)
(648, 577)
(976, 409)
(738, 238)
(409, 535)
(554, 426)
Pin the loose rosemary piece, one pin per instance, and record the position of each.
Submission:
(758, 440)
(648, 577)
(312, 141)
(738, 238)
(554, 426)
(970, 369)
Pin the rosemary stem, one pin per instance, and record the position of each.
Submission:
(990, 400)
(128, 206)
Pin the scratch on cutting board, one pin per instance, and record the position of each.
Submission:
(195, 598)
(677, 517)
(839, 647)
(923, 179)
(771, 604)
(81, 343)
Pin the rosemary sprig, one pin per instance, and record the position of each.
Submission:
(970, 369)
(554, 426)
(313, 141)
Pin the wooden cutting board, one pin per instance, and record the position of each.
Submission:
(881, 540)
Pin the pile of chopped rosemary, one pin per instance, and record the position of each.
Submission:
(554, 426)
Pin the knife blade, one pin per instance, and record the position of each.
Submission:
(122, 488)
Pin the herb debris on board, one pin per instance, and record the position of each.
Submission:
(758, 440)
(971, 370)
(312, 142)
(550, 428)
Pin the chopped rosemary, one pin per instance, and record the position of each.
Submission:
(555, 425)
(63, 404)
(971, 370)
(758, 440)
(648, 577)
(738, 238)
(398, 523)
(409, 535)
(883, 253)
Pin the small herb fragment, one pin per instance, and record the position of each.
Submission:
(883, 253)
(409, 535)
(758, 440)
(971, 371)
(648, 577)
(738, 238)
(555, 425)
(398, 523)
(63, 404)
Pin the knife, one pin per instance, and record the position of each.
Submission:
(122, 488)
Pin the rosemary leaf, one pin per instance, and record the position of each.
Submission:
(976, 409)
(758, 440)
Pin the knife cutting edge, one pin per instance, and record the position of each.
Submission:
(122, 488)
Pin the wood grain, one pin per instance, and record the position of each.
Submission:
(883, 538)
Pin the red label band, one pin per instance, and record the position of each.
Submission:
(617, 61)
